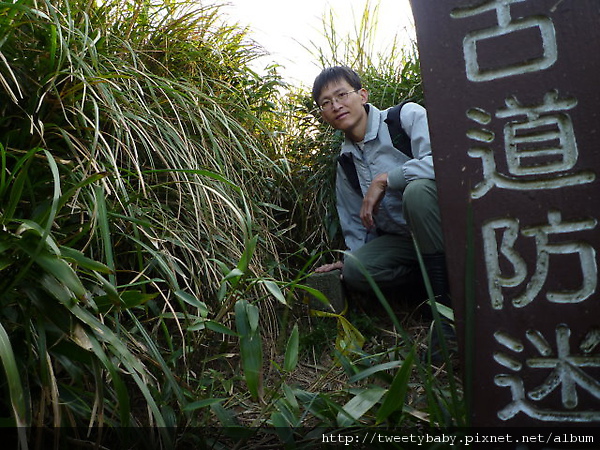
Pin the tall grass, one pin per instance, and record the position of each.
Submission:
(135, 175)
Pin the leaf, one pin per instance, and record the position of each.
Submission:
(83, 261)
(219, 328)
(132, 299)
(282, 428)
(244, 262)
(197, 325)
(445, 311)
(253, 317)
(14, 196)
(317, 295)
(192, 301)
(287, 413)
(291, 398)
(371, 370)
(291, 352)
(359, 405)
(15, 387)
(104, 230)
(31, 226)
(202, 404)
(275, 290)
(62, 272)
(225, 416)
(396, 395)
(250, 345)
(349, 339)
(279, 421)
(319, 405)
(233, 274)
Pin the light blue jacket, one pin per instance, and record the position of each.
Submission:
(378, 155)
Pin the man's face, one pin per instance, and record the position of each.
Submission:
(344, 106)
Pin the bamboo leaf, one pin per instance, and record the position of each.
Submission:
(248, 253)
(275, 290)
(192, 301)
(202, 404)
(250, 346)
(125, 300)
(225, 416)
(396, 395)
(349, 338)
(287, 413)
(59, 269)
(374, 369)
(253, 317)
(318, 295)
(282, 428)
(219, 328)
(359, 405)
(15, 387)
(80, 259)
(291, 351)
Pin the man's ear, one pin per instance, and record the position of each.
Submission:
(364, 95)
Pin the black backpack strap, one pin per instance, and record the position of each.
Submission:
(400, 139)
(346, 161)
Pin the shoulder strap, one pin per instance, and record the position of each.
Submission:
(346, 161)
(399, 137)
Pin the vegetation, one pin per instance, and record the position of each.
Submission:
(159, 215)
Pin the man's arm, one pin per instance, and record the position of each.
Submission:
(414, 122)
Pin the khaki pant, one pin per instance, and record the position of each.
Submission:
(390, 259)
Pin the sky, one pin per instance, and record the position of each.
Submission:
(282, 27)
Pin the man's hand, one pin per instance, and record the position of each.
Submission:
(372, 199)
(329, 267)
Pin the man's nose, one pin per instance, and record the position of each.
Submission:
(334, 101)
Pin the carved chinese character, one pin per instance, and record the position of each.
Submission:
(540, 147)
(567, 372)
(509, 229)
(506, 25)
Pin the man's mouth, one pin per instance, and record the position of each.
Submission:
(341, 116)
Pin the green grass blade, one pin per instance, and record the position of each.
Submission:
(291, 352)
(374, 369)
(18, 178)
(396, 394)
(359, 405)
(15, 387)
(104, 228)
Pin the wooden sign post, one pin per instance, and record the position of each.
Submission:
(512, 90)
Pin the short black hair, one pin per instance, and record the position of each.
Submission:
(333, 74)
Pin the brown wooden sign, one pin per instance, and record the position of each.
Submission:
(512, 89)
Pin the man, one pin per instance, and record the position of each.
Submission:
(397, 195)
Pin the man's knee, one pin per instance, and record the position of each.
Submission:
(422, 213)
(354, 274)
(420, 193)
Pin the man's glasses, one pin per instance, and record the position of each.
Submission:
(327, 105)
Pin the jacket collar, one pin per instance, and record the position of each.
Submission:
(373, 121)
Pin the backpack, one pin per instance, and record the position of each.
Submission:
(400, 139)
